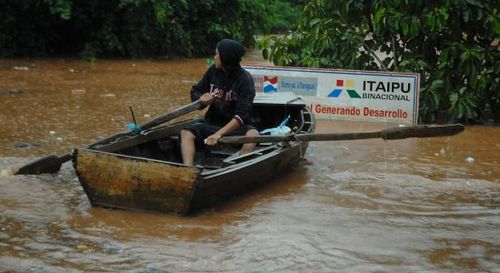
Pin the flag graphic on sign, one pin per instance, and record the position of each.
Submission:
(270, 84)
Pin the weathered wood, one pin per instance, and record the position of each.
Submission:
(141, 139)
(197, 105)
(386, 134)
(115, 181)
(48, 164)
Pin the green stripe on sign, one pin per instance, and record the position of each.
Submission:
(353, 94)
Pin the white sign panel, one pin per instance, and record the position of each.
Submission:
(346, 94)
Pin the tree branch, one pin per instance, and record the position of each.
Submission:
(395, 54)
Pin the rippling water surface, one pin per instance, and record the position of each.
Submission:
(415, 205)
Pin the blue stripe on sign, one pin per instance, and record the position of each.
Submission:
(335, 93)
(269, 88)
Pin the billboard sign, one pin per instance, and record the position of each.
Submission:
(346, 94)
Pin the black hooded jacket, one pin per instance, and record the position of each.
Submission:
(233, 87)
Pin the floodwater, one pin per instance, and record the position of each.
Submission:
(414, 205)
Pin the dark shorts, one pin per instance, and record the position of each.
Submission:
(202, 130)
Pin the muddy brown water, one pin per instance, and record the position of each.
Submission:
(415, 205)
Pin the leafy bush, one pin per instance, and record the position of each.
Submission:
(453, 44)
(280, 16)
(124, 28)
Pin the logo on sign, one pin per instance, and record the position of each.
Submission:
(373, 90)
(299, 86)
(270, 84)
(342, 85)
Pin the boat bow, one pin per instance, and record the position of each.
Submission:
(121, 181)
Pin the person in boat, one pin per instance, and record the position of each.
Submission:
(228, 90)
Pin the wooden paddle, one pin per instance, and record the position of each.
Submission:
(386, 134)
(52, 163)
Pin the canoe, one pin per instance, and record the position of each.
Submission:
(144, 171)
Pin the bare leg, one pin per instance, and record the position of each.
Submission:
(188, 148)
(249, 147)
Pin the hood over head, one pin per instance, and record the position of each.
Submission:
(230, 53)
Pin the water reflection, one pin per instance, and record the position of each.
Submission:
(414, 205)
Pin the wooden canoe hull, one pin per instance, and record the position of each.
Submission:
(143, 171)
(116, 181)
(124, 182)
(227, 184)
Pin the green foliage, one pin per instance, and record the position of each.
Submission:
(431, 95)
(126, 28)
(27, 27)
(279, 16)
(60, 7)
(453, 44)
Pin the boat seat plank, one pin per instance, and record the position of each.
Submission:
(236, 157)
